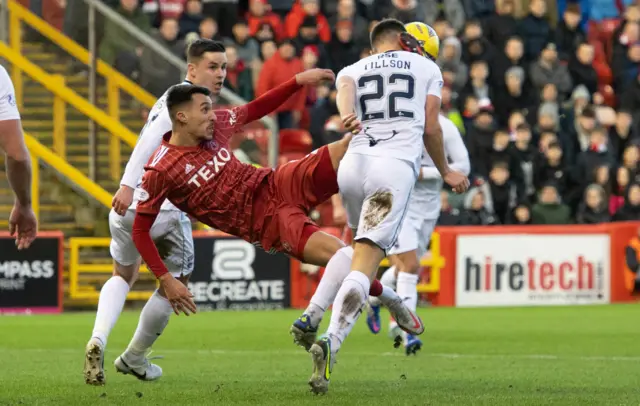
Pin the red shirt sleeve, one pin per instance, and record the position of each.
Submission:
(141, 236)
(155, 189)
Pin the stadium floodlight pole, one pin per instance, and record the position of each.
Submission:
(93, 57)
(147, 41)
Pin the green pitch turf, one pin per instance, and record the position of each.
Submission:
(527, 356)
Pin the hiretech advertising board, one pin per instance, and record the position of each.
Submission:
(531, 270)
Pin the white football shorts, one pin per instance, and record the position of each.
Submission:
(375, 192)
(171, 232)
(415, 234)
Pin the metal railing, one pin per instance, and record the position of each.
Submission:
(149, 42)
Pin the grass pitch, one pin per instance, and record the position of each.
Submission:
(525, 356)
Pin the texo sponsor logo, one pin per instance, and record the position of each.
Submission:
(211, 168)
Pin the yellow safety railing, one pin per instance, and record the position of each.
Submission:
(115, 81)
(56, 85)
(87, 292)
(435, 262)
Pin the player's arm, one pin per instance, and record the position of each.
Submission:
(433, 141)
(149, 140)
(346, 102)
(271, 100)
(18, 160)
(455, 151)
(156, 188)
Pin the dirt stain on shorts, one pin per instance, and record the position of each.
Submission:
(376, 209)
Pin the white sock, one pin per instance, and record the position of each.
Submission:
(112, 297)
(407, 289)
(336, 271)
(153, 319)
(347, 307)
(388, 279)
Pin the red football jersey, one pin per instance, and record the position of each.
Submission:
(206, 181)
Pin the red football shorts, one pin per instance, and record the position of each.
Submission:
(300, 186)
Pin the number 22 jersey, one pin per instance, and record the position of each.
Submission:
(391, 93)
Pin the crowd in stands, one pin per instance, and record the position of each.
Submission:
(545, 92)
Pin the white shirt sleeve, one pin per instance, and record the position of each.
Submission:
(149, 140)
(454, 149)
(8, 107)
(434, 87)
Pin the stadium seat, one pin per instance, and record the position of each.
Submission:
(294, 140)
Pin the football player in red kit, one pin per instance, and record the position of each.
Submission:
(195, 170)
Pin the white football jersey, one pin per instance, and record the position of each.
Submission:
(8, 108)
(158, 124)
(392, 89)
(425, 200)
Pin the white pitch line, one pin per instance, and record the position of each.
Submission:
(399, 353)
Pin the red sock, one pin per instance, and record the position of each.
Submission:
(376, 288)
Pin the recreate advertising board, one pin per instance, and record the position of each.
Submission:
(532, 270)
(232, 274)
(31, 279)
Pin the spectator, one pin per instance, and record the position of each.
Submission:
(209, 29)
(309, 11)
(156, 74)
(521, 215)
(621, 134)
(630, 161)
(454, 71)
(479, 9)
(239, 77)
(476, 211)
(631, 209)
(512, 56)
(267, 50)
(308, 36)
(282, 66)
(502, 191)
(343, 50)
(259, 14)
(622, 181)
(265, 33)
(346, 11)
(581, 68)
(548, 118)
(449, 216)
(118, 47)
(549, 70)
(503, 151)
(449, 110)
(478, 85)
(501, 26)
(516, 97)
(470, 109)
(626, 67)
(593, 209)
(550, 209)
(406, 11)
(158, 10)
(534, 29)
(621, 63)
(247, 47)
(451, 10)
(474, 45)
(552, 169)
(225, 12)
(324, 108)
(569, 34)
(191, 18)
(526, 154)
(479, 140)
(596, 155)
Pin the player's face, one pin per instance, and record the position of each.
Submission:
(210, 71)
(201, 118)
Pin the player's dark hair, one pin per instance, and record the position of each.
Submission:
(201, 46)
(384, 29)
(181, 94)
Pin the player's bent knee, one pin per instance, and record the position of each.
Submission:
(127, 272)
(321, 247)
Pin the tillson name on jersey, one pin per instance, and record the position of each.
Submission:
(388, 60)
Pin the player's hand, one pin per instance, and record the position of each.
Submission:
(23, 225)
(351, 123)
(314, 77)
(457, 180)
(122, 199)
(178, 295)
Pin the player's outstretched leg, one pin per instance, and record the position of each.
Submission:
(112, 298)
(153, 320)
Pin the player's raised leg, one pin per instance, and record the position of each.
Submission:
(112, 298)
